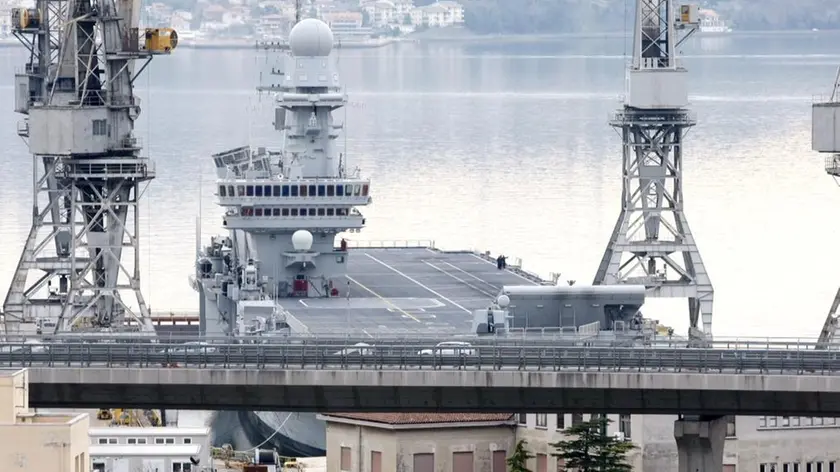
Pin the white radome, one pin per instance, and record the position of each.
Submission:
(311, 38)
(302, 240)
(503, 301)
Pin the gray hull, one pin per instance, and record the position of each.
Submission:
(290, 434)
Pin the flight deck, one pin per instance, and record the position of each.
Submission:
(407, 290)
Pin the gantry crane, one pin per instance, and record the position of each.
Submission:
(76, 93)
(652, 228)
(825, 138)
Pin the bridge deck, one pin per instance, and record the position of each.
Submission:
(407, 290)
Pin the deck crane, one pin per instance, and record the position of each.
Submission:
(652, 227)
(76, 95)
(825, 138)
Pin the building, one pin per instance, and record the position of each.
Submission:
(753, 444)
(38, 441)
(346, 24)
(162, 449)
(438, 15)
(419, 442)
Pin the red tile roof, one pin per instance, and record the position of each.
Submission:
(424, 418)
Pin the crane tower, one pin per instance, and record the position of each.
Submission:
(825, 138)
(76, 93)
(652, 233)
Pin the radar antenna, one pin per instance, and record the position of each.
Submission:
(76, 94)
(652, 227)
(825, 138)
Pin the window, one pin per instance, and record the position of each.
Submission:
(772, 421)
(112, 440)
(375, 461)
(312, 191)
(275, 212)
(832, 466)
(542, 420)
(344, 464)
(624, 425)
(187, 440)
(762, 421)
(809, 467)
(294, 190)
(294, 212)
(170, 441)
(181, 467)
(462, 462)
(240, 190)
(577, 418)
(786, 468)
(303, 190)
(102, 441)
(321, 212)
(330, 190)
(100, 127)
(322, 190)
(267, 190)
(819, 467)
(131, 441)
(330, 211)
(222, 191)
(276, 191)
(285, 190)
(794, 421)
(561, 421)
(284, 212)
(767, 468)
(158, 440)
(522, 418)
(730, 427)
(258, 191)
(499, 461)
(339, 190)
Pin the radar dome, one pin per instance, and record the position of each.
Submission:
(310, 38)
(302, 240)
(503, 301)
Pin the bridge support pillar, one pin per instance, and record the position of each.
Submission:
(700, 442)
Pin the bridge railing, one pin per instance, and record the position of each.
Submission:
(529, 338)
(417, 355)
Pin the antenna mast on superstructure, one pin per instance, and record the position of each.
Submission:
(77, 97)
(825, 138)
(652, 228)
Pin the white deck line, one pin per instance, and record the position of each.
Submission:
(418, 283)
(473, 276)
(460, 279)
(506, 270)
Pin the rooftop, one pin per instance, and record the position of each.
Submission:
(146, 450)
(396, 419)
(144, 431)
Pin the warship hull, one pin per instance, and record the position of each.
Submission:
(399, 291)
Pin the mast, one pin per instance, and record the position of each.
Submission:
(76, 95)
(652, 244)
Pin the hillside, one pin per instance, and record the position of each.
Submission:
(572, 16)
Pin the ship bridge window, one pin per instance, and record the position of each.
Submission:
(364, 190)
(312, 191)
(330, 211)
(247, 211)
(341, 211)
(240, 190)
(294, 190)
(330, 190)
(222, 191)
(356, 190)
(303, 190)
(311, 212)
(322, 190)
(100, 127)
(285, 190)
(294, 212)
(284, 212)
(276, 191)
(303, 212)
(230, 191)
(267, 190)
(258, 191)
(258, 211)
(321, 212)
(339, 190)
(249, 191)
(275, 212)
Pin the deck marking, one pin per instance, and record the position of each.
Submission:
(417, 282)
(506, 270)
(458, 279)
(303, 303)
(387, 302)
(473, 276)
(365, 331)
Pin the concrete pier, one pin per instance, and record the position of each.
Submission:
(700, 441)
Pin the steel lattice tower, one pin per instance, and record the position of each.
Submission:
(88, 175)
(825, 138)
(652, 244)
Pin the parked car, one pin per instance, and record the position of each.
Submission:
(449, 348)
(358, 349)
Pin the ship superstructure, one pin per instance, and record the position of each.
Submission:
(77, 96)
(651, 243)
(284, 209)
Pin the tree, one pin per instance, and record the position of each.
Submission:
(590, 449)
(518, 460)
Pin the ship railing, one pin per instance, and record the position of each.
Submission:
(416, 355)
(825, 98)
(515, 267)
(391, 244)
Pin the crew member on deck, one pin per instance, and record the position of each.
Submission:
(343, 244)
